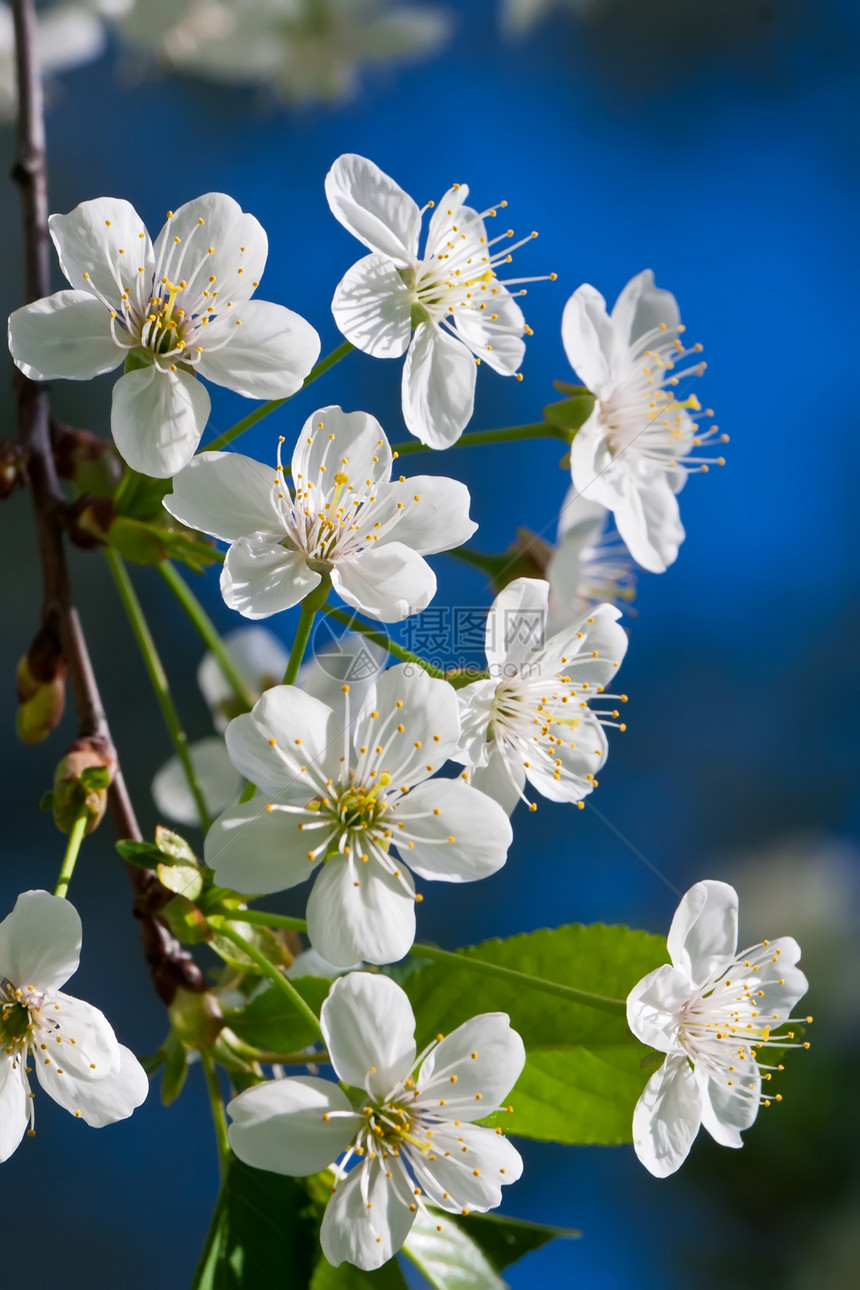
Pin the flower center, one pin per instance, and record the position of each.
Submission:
(15, 1023)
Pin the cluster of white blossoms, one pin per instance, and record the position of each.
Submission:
(341, 771)
(68, 1044)
(407, 1120)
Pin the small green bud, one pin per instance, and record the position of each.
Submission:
(197, 1019)
(40, 682)
(81, 783)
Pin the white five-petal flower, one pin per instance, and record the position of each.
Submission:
(589, 566)
(451, 296)
(70, 1044)
(411, 1133)
(633, 453)
(713, 1012)
(344, 517)
(532, 720)
(261, 660)
(177, 310)
(346, 802)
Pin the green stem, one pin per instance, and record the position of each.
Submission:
(601, 1002)
(208, 632)
(273, 404)
(313, 601)
(380, 638)
(73, 846)
(157, 676)
(219, 1117)
(474, 438)
(262, 919)
(221, 924)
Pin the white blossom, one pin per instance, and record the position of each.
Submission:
(589, 565)
(347, 802)
(446, 309)
(261, 660)
(532, 720)
(343, 518)
(174, 311)
(306, 50)
(714, 1012)
(410, 1135)
(633, 454)
(517, 17)
(69, 1044)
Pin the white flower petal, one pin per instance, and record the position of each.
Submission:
(268, 353)
(499, 779)
(369, 1031)
(238, 242)
(642, 307)
(648, 519)
(226, 495)
(286, 732)
(65, 336)
(157, 419)
(260, 577)
(598, 633)
(388, 582)
(14, 1106)
(704, 932)
(220, 782)
(654, 1005)
(467, 840)
(486, 1056)
(99, 1101)
(40, 941)
(497, 341)
(102, 239)
(516, 624)
(374, 208)
(449, 207)
(254, 850)
(782, 983)
(476, 715)
(589, 338)
(367, 1221)
(428, 712)
(563, 777)
(580, 518)
(667, 1117)
(360, 912)
(79, 1039)
(435, 514)
(468, 1168)
(351, 442)
(730, 1103)
(372, 307)
(438, 387)
(279, 1125)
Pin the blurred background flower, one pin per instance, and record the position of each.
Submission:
(715, 144)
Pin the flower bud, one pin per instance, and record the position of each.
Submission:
(13, 468)
(81, 783)
(40, 682)
(196, 1019)
(90, 463)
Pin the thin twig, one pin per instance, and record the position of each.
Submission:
(169, 963)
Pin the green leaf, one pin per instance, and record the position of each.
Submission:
(270, 1022)
(263, 1234)
(183, 879)
(504, 1240)
(95, 777)
(346, 1277)
(449, 1259)
(146, 854)
(584, 1069)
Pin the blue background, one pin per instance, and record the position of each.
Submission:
(717, 144)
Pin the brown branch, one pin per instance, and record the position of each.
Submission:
(171, 966)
